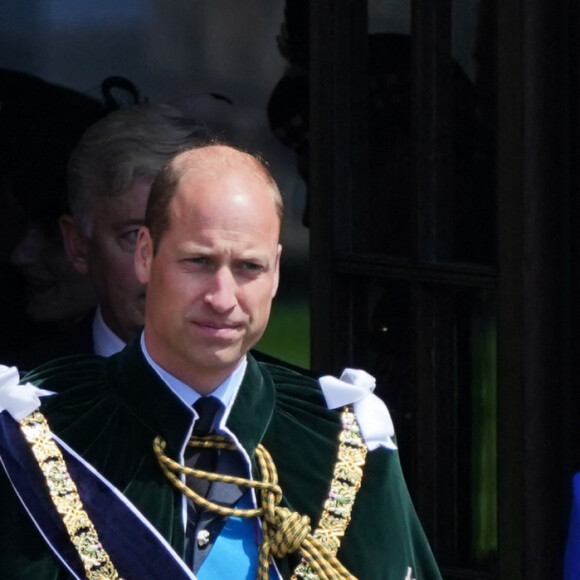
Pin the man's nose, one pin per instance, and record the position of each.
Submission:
(221, 291)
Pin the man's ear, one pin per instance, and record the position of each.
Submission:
(277, 271)
(75, 243)
(143, 255)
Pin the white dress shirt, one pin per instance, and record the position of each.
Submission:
(105, 341)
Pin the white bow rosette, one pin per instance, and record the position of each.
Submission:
(355, 387)
(19, 400)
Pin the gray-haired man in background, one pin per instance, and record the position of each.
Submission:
(110, 173)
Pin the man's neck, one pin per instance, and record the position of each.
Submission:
(203, 380)
(225, 391)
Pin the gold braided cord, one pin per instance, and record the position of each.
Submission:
(65, 497)
(171, 468)
(284, 531)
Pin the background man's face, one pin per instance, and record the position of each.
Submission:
(55, 291)
(110, 257)
(211, 283)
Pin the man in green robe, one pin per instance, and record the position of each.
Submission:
(331, 501)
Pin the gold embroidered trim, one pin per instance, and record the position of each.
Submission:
(66, 499)
(346, 482)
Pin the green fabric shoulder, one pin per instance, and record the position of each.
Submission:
(384, 540)
(70, 372)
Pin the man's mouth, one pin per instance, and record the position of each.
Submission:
(39, 283)
(217, 328)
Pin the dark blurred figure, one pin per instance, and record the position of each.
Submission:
(40, 123)
(392, 162)
(45, 299)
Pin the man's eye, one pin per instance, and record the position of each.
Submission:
(129, 239)
(252, 267)
(198, 260)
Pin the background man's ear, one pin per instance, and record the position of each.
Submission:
(75, 243)
(143, 255)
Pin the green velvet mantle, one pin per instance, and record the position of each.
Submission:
(110, 410)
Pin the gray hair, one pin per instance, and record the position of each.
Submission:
(129, 143)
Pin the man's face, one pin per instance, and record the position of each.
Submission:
(55, 290)
(110, 257)
(211, 283)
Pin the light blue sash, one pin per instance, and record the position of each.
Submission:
(235, 553)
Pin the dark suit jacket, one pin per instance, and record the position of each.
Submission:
(76, 339)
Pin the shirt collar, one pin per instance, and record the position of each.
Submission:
(225, 393)
(105, 341)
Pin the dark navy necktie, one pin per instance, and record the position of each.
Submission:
(204, 459)
(204, 527)
(206, 408)
(199, 458)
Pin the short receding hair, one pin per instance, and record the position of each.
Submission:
(132, 142)
(167, 180)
